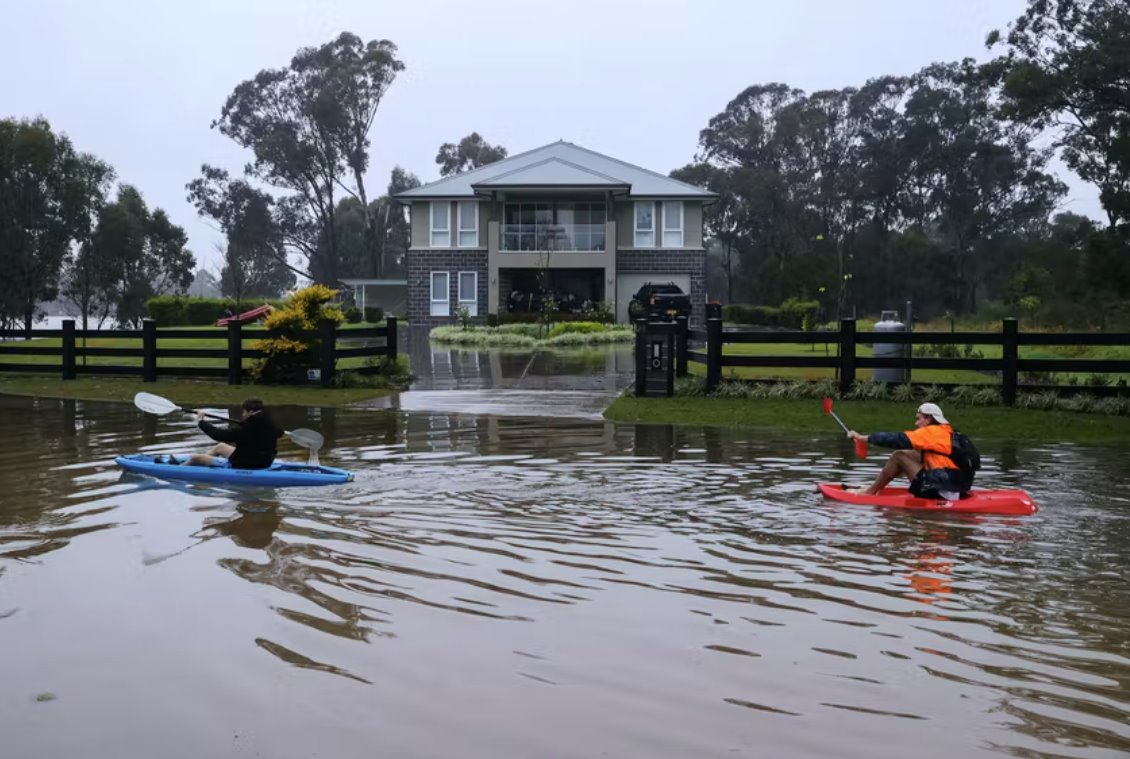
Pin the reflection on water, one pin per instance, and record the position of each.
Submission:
(507, 586)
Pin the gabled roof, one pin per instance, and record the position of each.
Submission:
(552, 172)
(559, 164)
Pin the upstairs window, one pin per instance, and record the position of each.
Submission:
(673, 224)
(645, 225)
(441, 225)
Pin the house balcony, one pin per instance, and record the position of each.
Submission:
(535, 238)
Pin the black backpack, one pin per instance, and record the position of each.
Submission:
(967, 458)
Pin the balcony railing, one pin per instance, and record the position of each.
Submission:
(556, 237)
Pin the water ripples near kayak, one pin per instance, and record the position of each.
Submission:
(531, 587)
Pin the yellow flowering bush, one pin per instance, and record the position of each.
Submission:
(289, 352)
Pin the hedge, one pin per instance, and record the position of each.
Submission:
(178, 311)
(793, 314)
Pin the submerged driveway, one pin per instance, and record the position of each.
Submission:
(571, 383)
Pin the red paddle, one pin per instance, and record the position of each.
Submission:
(860, 444)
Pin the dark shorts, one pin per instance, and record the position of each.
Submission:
(930, 482)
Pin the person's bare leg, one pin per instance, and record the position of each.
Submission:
(207, 459)
(222, 449)
(906, 462)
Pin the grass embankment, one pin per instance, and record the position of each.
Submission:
(807, 415)
(181, 392)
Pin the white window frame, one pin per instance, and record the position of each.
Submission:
(440, 307)
(649, 240)
(445, 230)
(472, 301)
(474, 206)
(668, 206)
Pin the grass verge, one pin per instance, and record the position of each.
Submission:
(182, 392)
(807, 415)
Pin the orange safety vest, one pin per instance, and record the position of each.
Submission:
(936, 443)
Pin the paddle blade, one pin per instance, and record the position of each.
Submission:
(306, 438)
(827, 404)
(154, 404)
(861, 448)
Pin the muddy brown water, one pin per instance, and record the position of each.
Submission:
(509, 586)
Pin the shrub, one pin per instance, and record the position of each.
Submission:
(289, 351)
(352, 315)
(178, 311)
(537, 317)
(166, 310)
(374, 314)
(614, 335)
(762, 316)
(799, 314)
(529, 330)
(463, 316)
(481, 338)
(599, 312)
(567, 328)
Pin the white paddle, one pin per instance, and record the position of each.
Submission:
(155, 404)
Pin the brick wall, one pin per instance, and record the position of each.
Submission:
(675, 261)
(421, 264)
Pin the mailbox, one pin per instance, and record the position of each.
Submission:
(655, 358)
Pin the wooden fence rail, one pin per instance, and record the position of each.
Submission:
(847, 362)
(150, 367)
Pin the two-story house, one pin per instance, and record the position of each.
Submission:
(587, 227)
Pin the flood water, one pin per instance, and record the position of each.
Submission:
(501, 585)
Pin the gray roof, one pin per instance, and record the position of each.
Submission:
(559, 164)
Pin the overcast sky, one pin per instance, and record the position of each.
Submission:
(138, 83)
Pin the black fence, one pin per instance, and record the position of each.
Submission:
(847, 361)
(334, 345)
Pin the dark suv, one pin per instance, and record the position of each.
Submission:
(659, 300)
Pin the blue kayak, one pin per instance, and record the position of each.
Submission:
(279, 474)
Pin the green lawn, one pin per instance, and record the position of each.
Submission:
(920, 376)
(218, 343)
(807, 415)
(180, 391)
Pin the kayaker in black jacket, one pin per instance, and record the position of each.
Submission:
(250, 443)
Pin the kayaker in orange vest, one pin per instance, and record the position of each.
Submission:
(923, 456)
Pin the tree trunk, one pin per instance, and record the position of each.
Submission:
(370, 241)
(29, 316)
(729, 273)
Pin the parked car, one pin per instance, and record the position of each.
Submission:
(659, 301)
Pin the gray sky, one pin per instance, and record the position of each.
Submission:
(138, 83)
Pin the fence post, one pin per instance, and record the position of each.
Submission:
(713, 354)
(327, 330)
(68, 349)
(390, 338)
(641, 356)
(235, 352)
(148, 350)
(681, 346)
(847, 355)
(1010, 356)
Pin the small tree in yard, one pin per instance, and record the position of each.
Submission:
(289, 353)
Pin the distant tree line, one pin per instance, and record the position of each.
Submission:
(935, 187)
(65, 234)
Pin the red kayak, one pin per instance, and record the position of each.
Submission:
(976, 502)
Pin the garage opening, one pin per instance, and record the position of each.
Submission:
(575, 290)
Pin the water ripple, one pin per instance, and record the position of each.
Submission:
(648, 578)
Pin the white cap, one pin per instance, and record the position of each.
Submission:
(934, 410)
